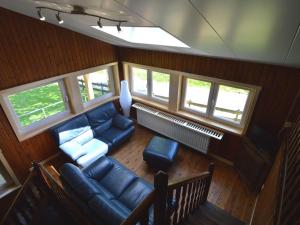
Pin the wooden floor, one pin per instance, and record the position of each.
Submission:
(227, 190)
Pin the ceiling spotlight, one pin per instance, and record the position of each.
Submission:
(60, 21)
(119, 27)
(99, 23)
(41, 17)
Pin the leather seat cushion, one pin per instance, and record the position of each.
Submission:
(115, 135)
(135, 193)
(110, 212)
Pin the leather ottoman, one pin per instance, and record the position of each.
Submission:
(160, 153)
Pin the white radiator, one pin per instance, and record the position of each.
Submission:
(191, 134)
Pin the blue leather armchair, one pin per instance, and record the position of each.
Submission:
(91, 135)
(105, 190)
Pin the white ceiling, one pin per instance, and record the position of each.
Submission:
(253, 30)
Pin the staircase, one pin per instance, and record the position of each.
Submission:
(209, 214)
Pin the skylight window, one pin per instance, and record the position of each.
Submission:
(143, 35)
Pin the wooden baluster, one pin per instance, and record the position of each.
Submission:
(182, 203)
(191, 198)
(197, 194)
(169, 206)
(145, 219)
(186, 205)
(178, 198)
(208, 181)
(160, 203)
(203, 184)
(200, 192)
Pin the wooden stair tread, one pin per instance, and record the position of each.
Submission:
(209, 214)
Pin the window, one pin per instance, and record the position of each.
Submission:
(231, 103)
(35, 107)
(218, 103)
(160, 85)
(8, 181)
(216, 100)
(95, 85)
(39, 103)
(196, 95)
(139, 81)
(150, 84)
(143, 35)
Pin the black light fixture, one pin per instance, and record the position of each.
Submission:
(41, 17)
(99, 23)
(119, 26)
(79, 10)
(60, 21)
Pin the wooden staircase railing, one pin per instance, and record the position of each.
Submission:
(29, 200)
(173, 202)
(186, 195)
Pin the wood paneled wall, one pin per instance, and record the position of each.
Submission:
(279, 86)
(32, 50)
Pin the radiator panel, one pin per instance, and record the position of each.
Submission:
(191, 134)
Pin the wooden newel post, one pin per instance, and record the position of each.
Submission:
(160, 203)
(211, 168)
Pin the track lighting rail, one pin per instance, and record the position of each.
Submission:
(78, 10)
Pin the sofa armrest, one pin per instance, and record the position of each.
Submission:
(122, 122)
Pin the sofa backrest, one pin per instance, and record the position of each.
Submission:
(101, 117)
(70, 129)
(78, 182)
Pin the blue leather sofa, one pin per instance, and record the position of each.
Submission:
(105, 191)
(91, 135)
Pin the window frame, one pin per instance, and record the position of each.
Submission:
(148, 96)
(14, 119)
(103, 97)
(212, 100)
(183, 96)
(246, 108)
(12, 183)
(71, 97)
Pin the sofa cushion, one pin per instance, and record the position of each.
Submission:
(108, 211)
(93, 149)
(135, 193)
(72, 149)
(118, 179)
(115, 135)
(72, 128)
(121, 122)
(81, 185)
(101, 114)
(99, 168)
(84, 137)
(102, 127)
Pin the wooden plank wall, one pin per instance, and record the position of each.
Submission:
(279, 86)
(278, 202)
(32, 50)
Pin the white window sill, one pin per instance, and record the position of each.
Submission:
(150, 103)
(8, 190)
(211, 123)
